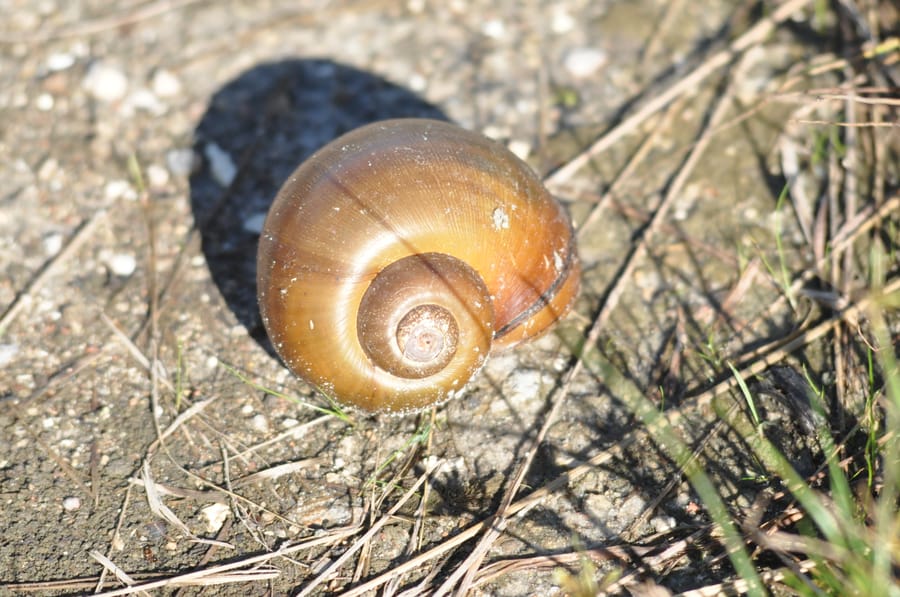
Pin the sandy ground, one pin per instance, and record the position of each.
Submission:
(140, 145)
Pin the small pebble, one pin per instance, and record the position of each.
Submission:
(584, 62)
(260, 424)
(662, 524)
(8, 353)
(631, 508)
(165, 84)
(561, 21)
(494, 28)
(520, 147)
(157, 176)
(49, 169)
(215, 515)
(70, 504)
(254, 223)
(119, 189)
(44, 102)
(180, 162)
(60, 61)
(522, 386)
(220, 164)
(121, 264)
(105, 83)
(144, 99)
(52, 243)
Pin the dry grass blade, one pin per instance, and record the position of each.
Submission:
(109, 565)
(156, 504)
(231, 569)
(274, 472)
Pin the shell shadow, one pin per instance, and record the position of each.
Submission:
(266, 122)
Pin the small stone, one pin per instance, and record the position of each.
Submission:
(121, 264)
(146, 100)
(119, 189)
(494, 28)
(117, 543)
(220, 164)
(520, 147)
(105, 83)
(180, 162)
(662, 524)
(215, 515)
(70, 504)
(417, 83)
(52, 243)
(44, 102)
(49, 169)
(260, 424)
(7, 353)
(60, 61)
(631, 508)
(522, 386)
(561, 21)
(157, 176)
(165, 84)
(584, 62)
(254, 222)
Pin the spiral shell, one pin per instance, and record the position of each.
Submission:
(398, 256)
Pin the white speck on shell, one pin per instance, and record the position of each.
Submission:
(500, 219)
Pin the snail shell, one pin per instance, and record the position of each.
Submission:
(398, 256)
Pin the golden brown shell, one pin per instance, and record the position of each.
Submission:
(482, 237)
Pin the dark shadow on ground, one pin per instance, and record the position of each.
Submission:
(268, 120)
